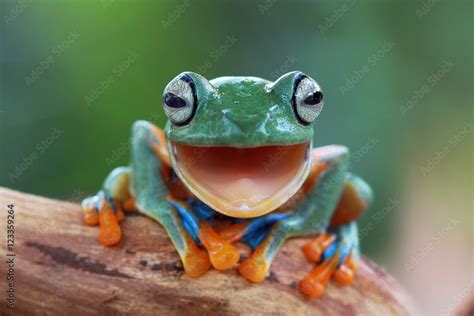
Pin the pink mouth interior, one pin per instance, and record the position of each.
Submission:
(241, 178)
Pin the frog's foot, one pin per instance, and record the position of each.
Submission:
(266, 242)
(107, 207)
(253, 233)
(222, 254)
(255, 268)
(102, 210)
(337, 256)
(344, 274)
(336, 267)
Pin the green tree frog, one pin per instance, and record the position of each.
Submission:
(236, 162)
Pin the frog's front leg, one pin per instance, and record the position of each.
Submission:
(313, 214)
(337, 251)
(177, 216)
(151, 195)
(196, 215)
(338, 260)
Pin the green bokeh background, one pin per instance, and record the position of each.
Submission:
(370, 57)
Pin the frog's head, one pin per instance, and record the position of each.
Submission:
(241, 144)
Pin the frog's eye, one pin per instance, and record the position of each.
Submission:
(180, 101)
(307, 99)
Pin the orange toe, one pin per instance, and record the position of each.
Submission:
(222, 254)
(110, 237)
(314, 249)
(314, 283)
(254, 268)
(224, 257)
(90, 213)
(196, 262)
(91, 218)
(110, 232)
(312, 287)
(344, 275)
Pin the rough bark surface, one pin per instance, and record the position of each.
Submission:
(60, 269)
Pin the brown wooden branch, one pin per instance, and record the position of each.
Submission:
(60, 269)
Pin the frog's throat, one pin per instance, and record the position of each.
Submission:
(242, 182)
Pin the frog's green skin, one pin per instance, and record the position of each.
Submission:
(245, 112)
(240, 112)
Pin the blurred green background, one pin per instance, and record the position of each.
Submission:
(397, 77)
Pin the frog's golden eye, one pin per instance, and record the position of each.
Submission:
(307, 99)
(180, 101)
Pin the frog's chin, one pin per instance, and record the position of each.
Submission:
(242, 182)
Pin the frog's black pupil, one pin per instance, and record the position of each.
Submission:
(173, 101)
(314, 98)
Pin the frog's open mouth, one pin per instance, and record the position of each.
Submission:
(243, 182)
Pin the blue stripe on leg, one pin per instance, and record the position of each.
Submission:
(343, 244)
(190, 221)
(258, 228)
(346, 250)
(329, 252)
(343, 249)
(256, 237)
(203, 211)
